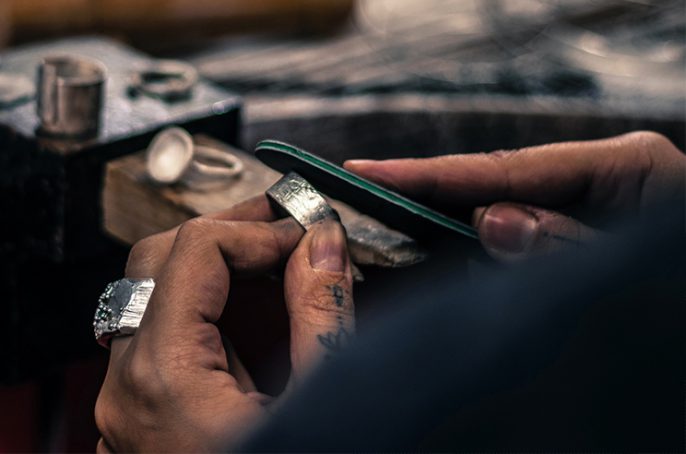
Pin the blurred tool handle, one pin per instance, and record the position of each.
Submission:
(147, 21)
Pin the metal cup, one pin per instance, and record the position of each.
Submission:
(70, 96)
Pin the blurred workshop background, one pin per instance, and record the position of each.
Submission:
(344, 78)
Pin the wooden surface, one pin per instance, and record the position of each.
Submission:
(134, 207)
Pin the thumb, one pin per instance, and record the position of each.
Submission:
(318, 294)
(511, 232)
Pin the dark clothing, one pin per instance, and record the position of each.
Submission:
(581, 351)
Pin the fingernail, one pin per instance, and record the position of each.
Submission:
(357, 162)
(328, 249)
(508, 228)
(354, 164)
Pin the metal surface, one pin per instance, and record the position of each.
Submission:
(120, 308)
(15, 89)
(372, 243)
(302, 201)
(70, 96)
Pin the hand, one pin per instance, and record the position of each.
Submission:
(170, 386)
(522, 194)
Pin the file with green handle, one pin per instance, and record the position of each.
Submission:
(389, 207)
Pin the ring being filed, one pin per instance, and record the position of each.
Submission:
(301, 200)
(173, 157)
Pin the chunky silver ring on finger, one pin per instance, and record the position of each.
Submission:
(120, 308)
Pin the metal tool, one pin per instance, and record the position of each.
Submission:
(70, 96)
(391, 208)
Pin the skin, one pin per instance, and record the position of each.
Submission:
(170, 387)
(537, 200)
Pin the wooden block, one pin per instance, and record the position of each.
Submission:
(133, 207)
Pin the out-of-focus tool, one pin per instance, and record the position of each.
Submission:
(70, 96)
(163, 24)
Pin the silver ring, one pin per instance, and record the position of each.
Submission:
(168, 80)
(70, 96)
(230, 166)
(301, 200)
(172, 157)
(120, 308)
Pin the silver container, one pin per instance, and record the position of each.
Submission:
(70, 96)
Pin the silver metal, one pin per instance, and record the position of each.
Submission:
(168, 80)
(15, 89)
(70, 96)
(230, 166)
(302, 201)
(120, 308)
(169, 155)
(172, 157)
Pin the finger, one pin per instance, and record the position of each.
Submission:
(193, 286)
(148, 255)
(548, 175)
(318, 294)
(511, 232)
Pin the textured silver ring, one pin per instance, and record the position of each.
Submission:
(301, 200)
(120, 308)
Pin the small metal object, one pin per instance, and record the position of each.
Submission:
(302, 201)
(120, 308)
(15, 89)
(169, 80)
(169, 155)
(70, 96)
(172, 157)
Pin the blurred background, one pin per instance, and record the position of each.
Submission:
(343, 78)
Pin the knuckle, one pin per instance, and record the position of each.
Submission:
(649, 142)
(105, 419)
(143, 251)
(650, 138)
(140, 377)
(193, 229)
